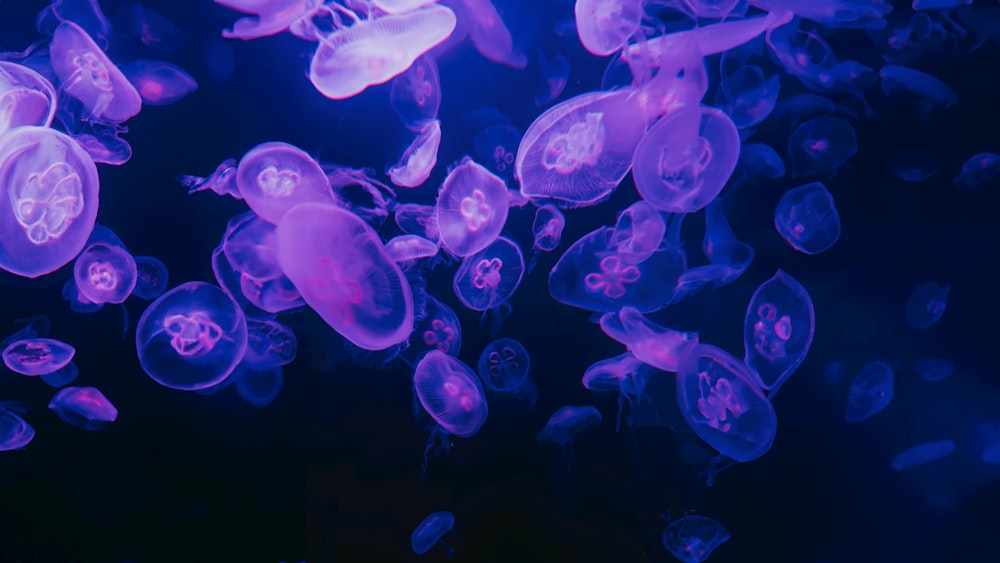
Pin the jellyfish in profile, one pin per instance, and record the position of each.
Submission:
(921, 454)
(151, 28)
(84, 407)
(406, 248)
(275, 177)
(915, 166)
(222, 181)
(486, 280)
(15, 433)
(685, 159)
(439, 329)
(578, 151)
(429, 532)
(159, 83)
(503, 367)
(26, 98)
(52, 199)
(495, 148)
(37, 356)
(416, 219)
(747, 96)
(807, 218)
(151, 277)
(564, 425)
(923, 90)
(638, 233)
(191, 337)
(979, 171)
(268, 17)
(555, 75)
(728, 256)
(269, 344)
(660, 347)
(415, 95)
(62, 376)
(605, 26)
(934, 369)
(547, 228)
(489, 33)
(105, 273)
(419, 158)
(820, 146)
(86, 73)
(870, 392)
(926, 304)
(778, 330)
(693, 538)
(259, 387)
(472, 207)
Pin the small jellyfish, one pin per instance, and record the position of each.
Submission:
(807, 218)
(15, 433)
(488, 278)
(547, 228)
(415, 95)
(472, 207)
(495, 148)
(934, 369)
(871, 391)
(37, 356)
(778, 330)
(269, 344)
(269, 17)
(151, 277)
(84, 407)
(693, 538)
(980, 171)
(660, 347)
(921, 454)
(259, 387)
(747, 96)
(915, 166)
(419, 158)
(191, 337)
(566, 423)
(428, 533)
(820, 146)
(504, 365)
(605, 26)
(555, 75)
(451, 393)
(926, 305)
(105, 273)
(275, 177)
(923, 90)
(159, 83)
(439, 329)
(150, 27)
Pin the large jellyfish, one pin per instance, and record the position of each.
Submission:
(26, 97)
(693, 538)
(807, 218)
(105, 273)
(488, 278)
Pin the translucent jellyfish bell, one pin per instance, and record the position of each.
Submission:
(451, 393)
(191, 337)
(439, 329)
(52, 190)
(926, 304)
(339, 265)
(605, 26)
(504, 365)
(37, 356)
(86, 73)
(159, 83)
(26, 97)
(567, 422)
(271, 16)
(819, 146)
(778, 330)
(151, 277)
(472, 208)
(685, 159)
(651, 343)
(870, 392)
(806, 217)
(488, 278)
(275, 177)
(15, 433)
(105, 273)
(415, 95)
(419, 158)
(84, 407)
(692, 539)
(428, 533)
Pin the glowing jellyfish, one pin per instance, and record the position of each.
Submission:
(62, 376)
(338, 264)
(693, 538)
(269, 344)
(259, 387)
(270, 16)
(871, 391)
(548, 227)
(495, 148)
(85, 13)
(105, 273)
(934, 369)
(747, 96)
(660, 347)
(37, 356)
(778, 330)
(724, 406)
(419, 158)
(439, 329)
(451, 393)
(428, 533)
(151, 277)
(15, 433)
(835, 13)
(685, 159)
(26, 97)
(191, 337)
(578, 151)
(921, 454)
(488, 278)
(52, 190)
(406, 248)
(275, 177)
(638, 233)
(416, 219)
(472, 207)
(375, 50)
(728, 256)
(222, 181)
(159, 83)
(566, 423)
(504, 365)
(415, 95)
(926, 304)
(84, 407)
(86, 73)
(807, 218)
(489, 34)
(605, 26)
(980, 171)
(819, 146)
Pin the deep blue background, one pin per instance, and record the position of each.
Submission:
(330, 471)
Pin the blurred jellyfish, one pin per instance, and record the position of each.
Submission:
(37, 326)
(62, 376)
(747, 96)
(934, 369)
(728, 257)
(84, 407)
(926, 305)
(488, 278)
(269, 344)
(921, 454)
(489, 34)
(415, 95)
(980, 171)
(495, 148)
(778, 330)
(871, 391)
(819, 146)
(638, 233)
(921, 89)
(222, 181)
(275, 177)
(159, 83)
(151, 277)
(429, 532)
(439, 329)
(191, 337)
(547, 228)
(605, 26)
(152, 28)
(419, 158)
(472, 207)
(416, 219)
(105, 273)
(405, 248)
(807, 218)
(268, 16)
(915, 166)
(566, 423)
(85, 13)
(503, 366)
(693, 538)
(37, 356)
(15, 433)
(259, 387)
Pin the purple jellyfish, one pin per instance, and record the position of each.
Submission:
(472, 207)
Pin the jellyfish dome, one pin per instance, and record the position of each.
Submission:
(26, 98)
(451, 393)
(51, 204)
(472, 208)
(275, 177)
(191, 337)
(105, 273)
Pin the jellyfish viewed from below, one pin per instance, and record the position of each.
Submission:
(84, 407)
(451, 393)
(472, 207)
(503, 366)
(429, 532)
(807, 218)
(778, 330)
(339, 265)
(191, 337)
(921, 454)
(605, 26)
(566, 423)
(105, 273)
(52, 199)
(870, 392)
(685, 159)
(693, 538)
(37, 356)
(488, 278)
(275, 177)
(926, 305)
(979, 171)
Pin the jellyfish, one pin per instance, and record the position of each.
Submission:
(259, 387)
(503, 367)
(222, 181)
(555, 75)
(15, 433)
(472, 207)
(151, 277)
(449, 391)
(778, 330)
(416, 219)
(934, 369)
(926, 92)
(86, 73)
(62, 376)
(915, 166)
(405, 248)
(721, 246)
(419, 158)
(495, 148)
(835, 14)
(415, 95)
(429, 532)
(578, 151)
(926, 305)
(275, 177)
(807, 218)
(685, 159)
(37, 326)
(871, 391)
(489, 34)
(340, 267)
(271, 16)
(486, 280)
(37, 356)
(105, 273)
(820, 146)
(269, 344)
(980, 171)
(85, 13)
(566, 423)
(605, 26)
(758, 160)
(660, 347)
(191, 337)
(638, 233)
(921, 454)
(159, 83)
(84, 407)
(693, 538)
(26, 98)
(439, 329)
(52, 188)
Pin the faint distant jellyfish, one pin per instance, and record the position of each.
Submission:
(819, 146)
(926, 305)
(339, 265)
(15, 433)
(451, 393)
(921, 454)
(605, 26)
(105, 273)
(78, 303)
(52, 200)
(488, 278)
(415, 95)
(152, 28)
(151, 277)
(685, 159)
(923, 90)
(87, 74)
(778, 330)
(871, 391)
(934, 369)
(980, 171)
(269, 344)
(275, 177)
(747, 96)
(758, 160)
(84, 407)
(26, 97)
(721, 246)
(419, 158)
(915, 166)
(496, 146)
(692, 539)
(37, 356)
(472, 207)
(191, 337)
(806, 217)
(428, 533)
(721, 402)
(504, 365)
(578, 151)
(159, 83)
(259, 387)
(566, 423)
